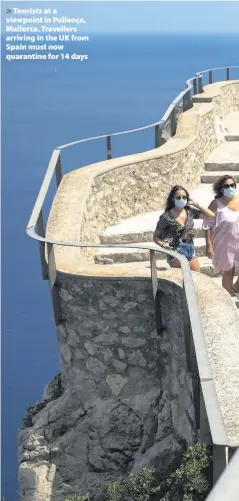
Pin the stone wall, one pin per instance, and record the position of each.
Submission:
(100, 195)
(126, 395)
(226, 102)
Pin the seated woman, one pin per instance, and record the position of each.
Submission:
(175, 226)
(222, 234)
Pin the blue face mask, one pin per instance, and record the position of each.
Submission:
(229, 192)
(180, 203)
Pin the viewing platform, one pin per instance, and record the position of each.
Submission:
(158, 344)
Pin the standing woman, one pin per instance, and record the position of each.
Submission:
(175, 228)
(222, 234)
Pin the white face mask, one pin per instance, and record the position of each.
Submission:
(229, 192)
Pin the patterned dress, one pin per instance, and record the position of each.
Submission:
(172, 232)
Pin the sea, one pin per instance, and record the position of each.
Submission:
(127, 82)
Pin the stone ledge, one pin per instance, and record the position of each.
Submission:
(215, 89)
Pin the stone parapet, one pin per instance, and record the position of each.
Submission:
(100, 195)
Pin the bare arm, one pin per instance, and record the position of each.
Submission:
(160, 242)
(208, 233)
(206, 213)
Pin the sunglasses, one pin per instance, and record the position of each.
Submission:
(179, 198)
(233, 185)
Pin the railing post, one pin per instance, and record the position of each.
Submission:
(210, 77)
(192, 366)
(58, 171)
(52, 282)
(228, 73)
(187, 101)
(195, 87)
(158, 134)
(173, 122)
(41, 232)
(219, 461)
(109, 148)
(200, 85)
(153, 268)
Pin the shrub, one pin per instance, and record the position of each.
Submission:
(138, 486)
(191, 481)
(76, 498)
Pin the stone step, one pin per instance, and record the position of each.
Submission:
(129, 255)
(141, 228)
(232, 137)
(200, 98)
(162, 265)
(213, 176)
(225, 157)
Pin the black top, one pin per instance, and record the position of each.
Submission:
(172, 232)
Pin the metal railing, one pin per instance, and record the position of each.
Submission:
(208, 412)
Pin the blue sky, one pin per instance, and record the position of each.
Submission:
(147, 16)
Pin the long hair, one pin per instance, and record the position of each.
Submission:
(170, 200)
(217, 187)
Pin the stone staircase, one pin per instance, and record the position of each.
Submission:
(140, 229)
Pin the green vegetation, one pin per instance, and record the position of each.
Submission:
(76, 498)
(190, 481)
(140, 486)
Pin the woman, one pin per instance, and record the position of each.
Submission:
(175, 226)
(222, 234)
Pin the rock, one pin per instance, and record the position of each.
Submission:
(96, 367)
(136, 358)
(90, 348)
(125, 329)
(116, 383)
(53, 389)
(133, 342)
(119, 366)
(121, 353)
(127, 399)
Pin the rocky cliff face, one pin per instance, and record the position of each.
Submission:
(123, 399)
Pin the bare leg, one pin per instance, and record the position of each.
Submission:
(175, 263)
(236, 286)
(227, 279)
(194, 265)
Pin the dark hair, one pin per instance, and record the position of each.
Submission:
(170, 200)
(217, 187)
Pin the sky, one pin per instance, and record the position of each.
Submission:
(146, 16)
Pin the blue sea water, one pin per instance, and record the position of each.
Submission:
(128, 81)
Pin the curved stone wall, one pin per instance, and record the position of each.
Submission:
(100, 195)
